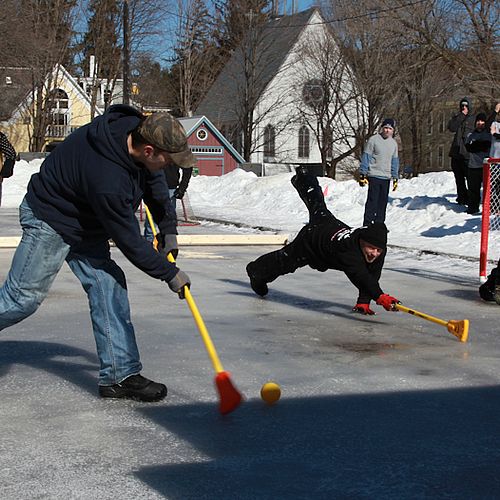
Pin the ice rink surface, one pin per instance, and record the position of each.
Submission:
(383, 407)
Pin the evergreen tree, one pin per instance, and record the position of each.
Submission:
(102, 39)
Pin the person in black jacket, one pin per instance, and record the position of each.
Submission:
(478, 144)
(8, 157)
(176, 188)
(177, 183)
(462, 124)
(327, 243)
(87, 192)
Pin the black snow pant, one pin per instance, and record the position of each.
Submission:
(460, 167)
(292, 256)
(376, 203)
(474, 181)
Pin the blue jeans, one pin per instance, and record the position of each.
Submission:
(376, 202)
(148, 233)
(37, 260)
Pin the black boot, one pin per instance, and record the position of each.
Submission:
(496, 295)
(310, 193)
(258, 284)
(486, 293)
(490, 291)
(135, 387)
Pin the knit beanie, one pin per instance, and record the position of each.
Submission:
(375, 234)
(481, 116)
(389, 122)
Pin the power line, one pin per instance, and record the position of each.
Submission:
(370, 13)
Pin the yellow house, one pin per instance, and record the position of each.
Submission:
(66, 107)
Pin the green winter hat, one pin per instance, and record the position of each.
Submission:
(165, 132)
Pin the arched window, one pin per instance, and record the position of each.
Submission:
(58, 100)
(303, 142)
(269, 142)
(58, 104)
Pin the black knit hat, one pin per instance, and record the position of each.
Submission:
(375, 234)
(481, 116)
(389, 122)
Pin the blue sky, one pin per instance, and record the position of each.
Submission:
(301, 4)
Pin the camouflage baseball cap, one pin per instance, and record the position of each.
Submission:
(165, 132)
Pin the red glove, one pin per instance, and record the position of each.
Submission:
(363, 309)
(387, 302)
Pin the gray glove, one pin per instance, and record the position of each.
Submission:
(178, 282)
(167, 243)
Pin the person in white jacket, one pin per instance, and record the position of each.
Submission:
(495, 134)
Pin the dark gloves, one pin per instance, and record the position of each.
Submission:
(178, 282)
(167, 243)
(387, 302)
(363, 180)
(363, 309)
(8, 168)
(179, 193)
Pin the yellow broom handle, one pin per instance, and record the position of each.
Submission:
(421, 315)
(152, 224)
(203, 330)
(194, 310)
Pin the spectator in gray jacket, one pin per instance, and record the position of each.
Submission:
(379, 163)
(462, 124)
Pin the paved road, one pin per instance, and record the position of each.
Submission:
(384, 407)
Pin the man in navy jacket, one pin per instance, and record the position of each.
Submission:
(327, 243)
(87, 192)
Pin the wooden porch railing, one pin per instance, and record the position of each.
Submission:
(59, 131)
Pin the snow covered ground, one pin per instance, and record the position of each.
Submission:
(421, 214)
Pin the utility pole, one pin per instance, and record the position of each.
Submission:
(126, 54)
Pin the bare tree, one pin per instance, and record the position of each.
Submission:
(101, 49)
(118, 32)
(465, 36)
(400, 72)
(195, 63)
(50, 24)
(329, 100)
(370, 51)
(249, 72)
(442, 46)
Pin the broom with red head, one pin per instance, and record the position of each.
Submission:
(229, 397)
